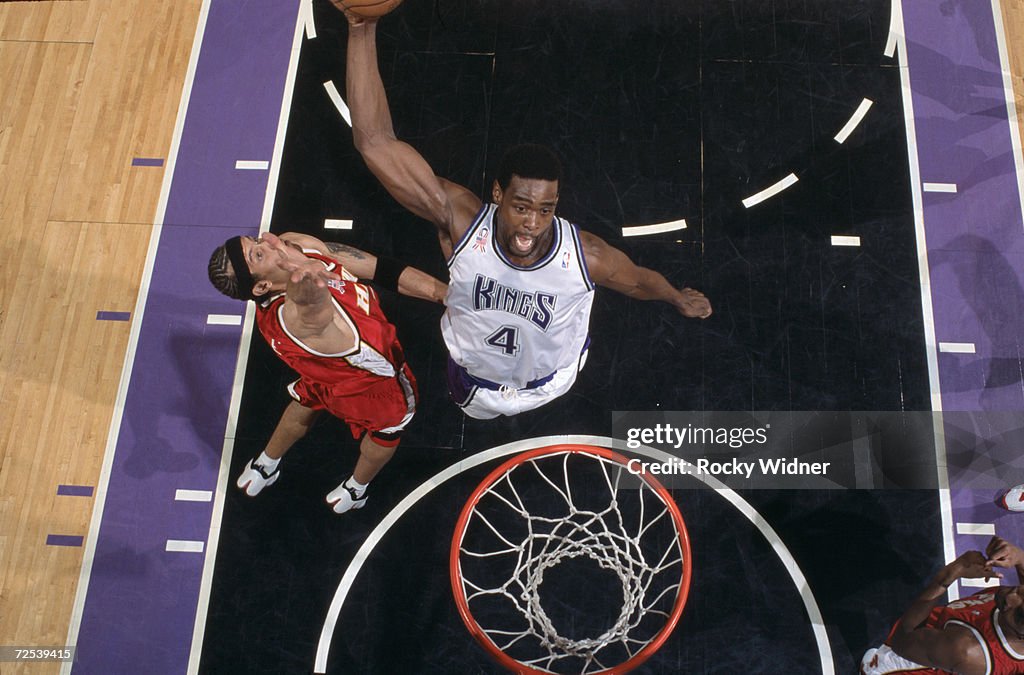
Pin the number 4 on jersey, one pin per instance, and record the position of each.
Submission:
(506, 339)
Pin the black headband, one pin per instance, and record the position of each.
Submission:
(245, 282)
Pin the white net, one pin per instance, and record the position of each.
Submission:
(569, 563)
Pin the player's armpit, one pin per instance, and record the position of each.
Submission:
(608, 266)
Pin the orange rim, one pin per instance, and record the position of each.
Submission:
(455, 569)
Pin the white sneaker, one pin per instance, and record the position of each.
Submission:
(343, 498)
(1012, 499)
(255, 478)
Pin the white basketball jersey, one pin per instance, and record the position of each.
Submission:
(514, 325)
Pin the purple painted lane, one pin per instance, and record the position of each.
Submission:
(113, 316)
(147, 161)
(225, 123)
(975, 247)
(141, 601)
(63, 540)
(74, 490)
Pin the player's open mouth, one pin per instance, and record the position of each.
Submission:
(523, 242)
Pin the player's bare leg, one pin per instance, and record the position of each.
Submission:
(351, 493)
(262, 471)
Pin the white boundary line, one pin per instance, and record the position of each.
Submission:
(213, 539)
(88, 555)
(339, 103)
(641, 230)
(348, 578)
(771, 191)
(306, 16)
(928, 315)
(1011, 106)
(895, 33)
(855, 119)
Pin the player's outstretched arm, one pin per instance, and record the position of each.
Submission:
(953, 648)
(611, 268)
(308, 311)
(412, 281)
(403, 172)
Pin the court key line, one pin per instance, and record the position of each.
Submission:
(364, 552)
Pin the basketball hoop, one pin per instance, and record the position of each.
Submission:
(576, 508)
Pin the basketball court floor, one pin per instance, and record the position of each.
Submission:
(842, 179)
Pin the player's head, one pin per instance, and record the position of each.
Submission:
(247, 269)
(529, 160)
(1010, 601)
(526, 193)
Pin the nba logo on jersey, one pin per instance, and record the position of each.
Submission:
(338, 285)
(481, 239)
(566, 259)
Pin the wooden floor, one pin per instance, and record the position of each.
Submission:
(88, 86)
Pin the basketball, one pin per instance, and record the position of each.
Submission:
(366, 9)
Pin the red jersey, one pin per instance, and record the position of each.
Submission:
(367, 384)
(978, 614)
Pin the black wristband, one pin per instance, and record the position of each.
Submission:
(387, 272)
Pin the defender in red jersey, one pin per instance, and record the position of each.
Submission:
(328, 327)
(981, 634)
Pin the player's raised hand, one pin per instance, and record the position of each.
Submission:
(308, 270)
(694, 304)
(973, 564)
(1002, 553)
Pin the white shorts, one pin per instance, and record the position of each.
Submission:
(485, 404)
(884, 660)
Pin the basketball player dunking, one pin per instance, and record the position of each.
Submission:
(522, 279)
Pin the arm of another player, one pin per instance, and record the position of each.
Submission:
(412, 282)
(403, 172)
(611, 268)
(954, 648)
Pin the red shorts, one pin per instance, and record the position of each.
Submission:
(383, 409)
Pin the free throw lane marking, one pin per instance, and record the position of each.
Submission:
(193, 495)
(224, 320)
(184, 546)
(981, 529)
(957, 347)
